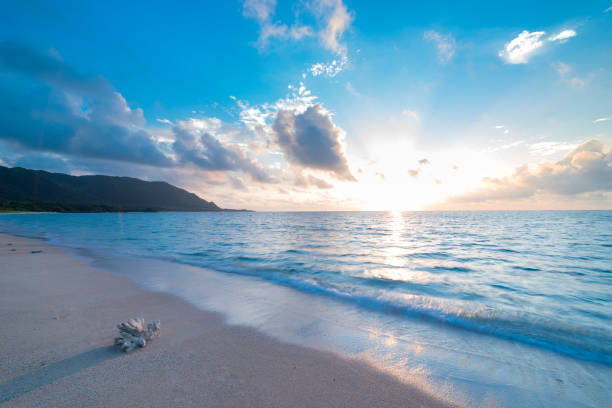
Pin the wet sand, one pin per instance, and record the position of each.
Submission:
(58, 317)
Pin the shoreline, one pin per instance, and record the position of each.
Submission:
(61, 314)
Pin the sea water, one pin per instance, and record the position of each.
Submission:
(502, 308)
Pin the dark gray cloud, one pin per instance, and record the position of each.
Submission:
(311, 140)
(586, 169)
(47, 106)
(206, 152)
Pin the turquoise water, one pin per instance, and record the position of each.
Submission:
(543, 279)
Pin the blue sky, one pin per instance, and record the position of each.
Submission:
(318, 104)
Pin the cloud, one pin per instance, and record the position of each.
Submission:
(412, 114)
(164, 121)
(601, 120)
(194, 144)
(586, 169)
(562, 68)
(549, 148)
(311, 140)
(46, 105)
(310, 181)
(526, 44)
(521, 48)
(263, 11)
(331, 69)
(563, 35)
(337, 20)
(413, 173)
(446, 44)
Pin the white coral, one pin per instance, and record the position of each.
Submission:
(133, 333)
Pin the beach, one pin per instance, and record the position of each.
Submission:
(59, 316)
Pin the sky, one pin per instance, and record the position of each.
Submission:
(318, 104)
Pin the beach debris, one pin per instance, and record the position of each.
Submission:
(134, 333)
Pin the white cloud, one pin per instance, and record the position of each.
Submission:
(333, 19)
(601, 120)
(520, 49)
(262, 11)
(550, 148)
(563, 35)
(446, 44)
(562, 68)
(330, 69)
(337, 20)
(162, 120)
(411, 114)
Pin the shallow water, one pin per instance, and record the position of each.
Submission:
(515, 300)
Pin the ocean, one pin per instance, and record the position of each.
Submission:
(494, 306)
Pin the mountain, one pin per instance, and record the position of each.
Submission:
(36, 190)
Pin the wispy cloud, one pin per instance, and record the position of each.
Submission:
(263, 11)
(445, 44)
(521, 48)
(163, 120)
(550, 148)
(411, 114)
(527, 44)
(562, 68)
(563, 35)
(333, 19)
(337, 19)
(601, 120)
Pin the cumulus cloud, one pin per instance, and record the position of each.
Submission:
(194, 144)
(521, 48)
(48, 106)
(586, 169)
(563, 35)
(445, 44)
(311, 140)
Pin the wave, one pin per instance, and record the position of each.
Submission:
(526, 328)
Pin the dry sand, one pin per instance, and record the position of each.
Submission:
(58, 319)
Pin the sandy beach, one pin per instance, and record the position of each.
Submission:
(58, 316)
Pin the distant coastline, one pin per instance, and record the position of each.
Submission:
(25, 190)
